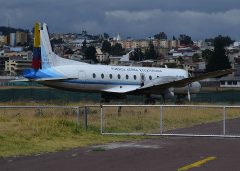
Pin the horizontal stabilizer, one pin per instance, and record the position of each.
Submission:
(20, 80)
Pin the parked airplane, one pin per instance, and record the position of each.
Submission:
(111, 81)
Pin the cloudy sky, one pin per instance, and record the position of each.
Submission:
(136, 18)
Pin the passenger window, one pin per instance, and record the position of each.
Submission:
(94, 75)
(119, 76)
(102, 75)
(110, 76)
(150, 77)
(135, 77)
(127, 77)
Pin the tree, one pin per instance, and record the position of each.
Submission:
(137, 55)
(117, 50)
(106, 46)
(209, 41)
(160, 36)
(151, 53)
(196, 57)
(185, 39)
(84, 46)
(218, 60)
(226, 40)
(105, 35)
(90, 53)
(69, 51)
(207, 54)
(180, 60)
(56, 41)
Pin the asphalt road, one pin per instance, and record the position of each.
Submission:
(165, 154)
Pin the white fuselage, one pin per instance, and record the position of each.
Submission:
(98, 78)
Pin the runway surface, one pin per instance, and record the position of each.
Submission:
(164, 154)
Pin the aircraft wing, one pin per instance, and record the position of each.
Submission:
(122, 89)
(160, 87)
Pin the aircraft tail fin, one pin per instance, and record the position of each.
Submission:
(47, 55)
(49, 58)
(43, 55)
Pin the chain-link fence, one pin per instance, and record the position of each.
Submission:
(171, 120)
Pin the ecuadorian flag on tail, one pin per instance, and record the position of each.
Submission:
(36, 62)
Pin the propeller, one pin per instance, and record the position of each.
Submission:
(188, 89)
(189, 93)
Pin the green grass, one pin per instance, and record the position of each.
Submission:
(26, 132)
(139, 120)
(32, 131)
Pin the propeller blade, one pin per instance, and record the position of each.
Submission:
(189, 93)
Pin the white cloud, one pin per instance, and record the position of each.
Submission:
(198, 24)
(231, 16)
(137, 18)
(132, 16)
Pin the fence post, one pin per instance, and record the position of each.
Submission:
(224, 120)
(101, 116)
(85, 117)
(78, 116)
(161, 119)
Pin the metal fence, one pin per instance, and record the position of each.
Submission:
(154, 120)
(171, 120)
(86, 117)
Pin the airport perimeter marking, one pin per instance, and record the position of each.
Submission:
(196, 164)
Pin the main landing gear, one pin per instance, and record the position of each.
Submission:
(150, 101)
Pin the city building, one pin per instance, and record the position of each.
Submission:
(101, 57)
(14, 67)
(230, 82)
(13, 39)
(21, 38)
(3, 59)
(3, 40)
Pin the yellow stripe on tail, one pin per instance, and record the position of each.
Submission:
(37, 27)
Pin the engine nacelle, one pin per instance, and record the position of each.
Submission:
(168, 94)
(195, 87)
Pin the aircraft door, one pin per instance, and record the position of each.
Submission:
(142, 79)
(82, 77)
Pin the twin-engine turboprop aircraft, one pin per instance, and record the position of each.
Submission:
(111, 81)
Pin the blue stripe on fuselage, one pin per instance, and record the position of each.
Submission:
(100, 82)
(42, 73)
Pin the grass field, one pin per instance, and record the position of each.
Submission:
(31, 131)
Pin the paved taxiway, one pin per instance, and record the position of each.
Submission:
(155, 154)
(164, 154)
